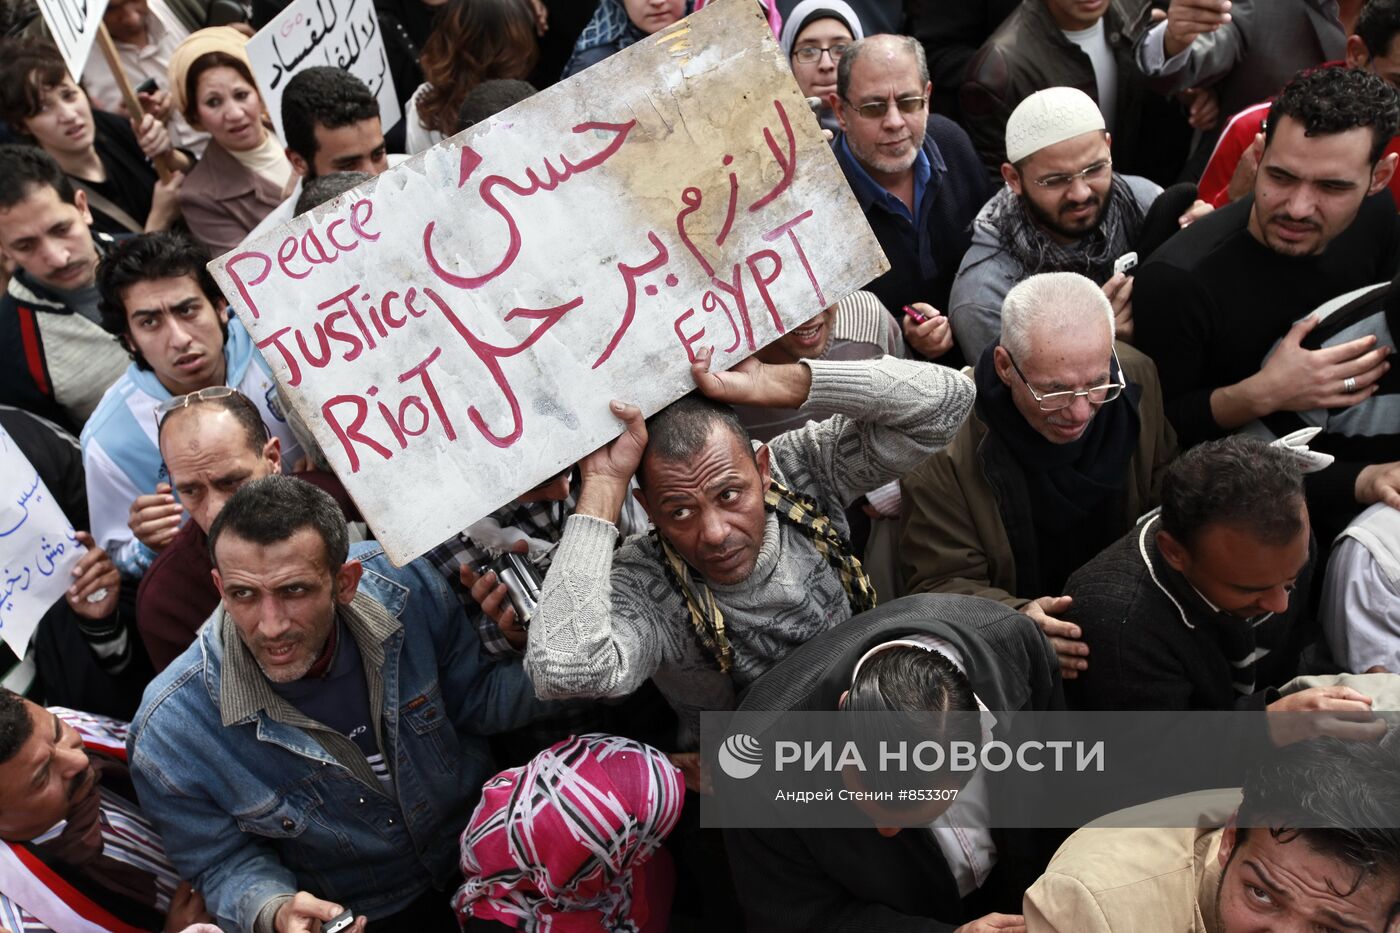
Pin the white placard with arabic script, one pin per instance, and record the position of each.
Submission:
(73, 27)
(343, 33)
(453, 330)
(37, 548)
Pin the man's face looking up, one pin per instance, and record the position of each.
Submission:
(710, 508)
(282, 598)
(1274, 886)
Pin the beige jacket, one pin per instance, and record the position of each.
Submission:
(1134, 879)
(954, 538)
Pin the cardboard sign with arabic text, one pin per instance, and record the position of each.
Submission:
(38, 549)
(342, 33)
(453, 331)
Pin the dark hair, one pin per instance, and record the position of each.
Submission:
(1377, 25)
(910, 695)
(28, 68)
(144, 258)
(910, 679)
(323, 96)
(317, 191)
(491, 97)
(1238, 481)
(208, 62)
(238, 405)
(1334, 100)
(679, 431)
(24, 168)
(15, 725)
(1341, 797)
(272, 509)
(908, 43)
(474, 40)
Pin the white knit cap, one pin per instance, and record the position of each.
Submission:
(1048, 117)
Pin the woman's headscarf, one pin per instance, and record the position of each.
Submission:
(556, 844)
(809, 11)
(224, 39)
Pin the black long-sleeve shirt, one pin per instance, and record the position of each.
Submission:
(1212, 300)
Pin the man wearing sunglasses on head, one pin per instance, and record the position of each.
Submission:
(165, 310)
(917, 180)
(1065, 449)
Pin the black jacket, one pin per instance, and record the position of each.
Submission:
(1029, 53)
(857, 880)
(1155, 643)
(924, 257)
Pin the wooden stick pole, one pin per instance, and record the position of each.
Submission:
(133, 103)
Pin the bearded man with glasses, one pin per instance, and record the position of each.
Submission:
(1062, 208)
(1065, 449)
(917, 180)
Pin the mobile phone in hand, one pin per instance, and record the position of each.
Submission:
(340, 922)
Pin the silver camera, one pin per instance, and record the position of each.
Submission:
(522, 580)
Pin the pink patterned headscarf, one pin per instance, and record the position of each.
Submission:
(555, 845)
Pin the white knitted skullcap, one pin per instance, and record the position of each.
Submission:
(1048, 117)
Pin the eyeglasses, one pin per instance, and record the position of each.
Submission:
(207, 394)
(811, 54)
(878, 108)
(1056, 401)
(1090, 173)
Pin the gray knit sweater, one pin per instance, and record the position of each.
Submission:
(608, 620)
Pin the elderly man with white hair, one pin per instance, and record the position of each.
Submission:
(1062, 209)
(1065, 449)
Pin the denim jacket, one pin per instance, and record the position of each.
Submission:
(256, 801)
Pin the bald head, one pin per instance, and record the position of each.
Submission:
(883, 48)
(211, 451)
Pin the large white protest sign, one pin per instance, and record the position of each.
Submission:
(343, 33)
(37, 547)
(73, 27)
(452, 331)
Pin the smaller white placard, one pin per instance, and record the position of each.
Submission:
(38, 549)
(341, 33)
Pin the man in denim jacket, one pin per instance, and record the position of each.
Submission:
(320, 744)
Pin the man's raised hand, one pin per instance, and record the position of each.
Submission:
(751, 382)
(1187, 19)
(605, 474)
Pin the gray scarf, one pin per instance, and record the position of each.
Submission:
(1091, 255)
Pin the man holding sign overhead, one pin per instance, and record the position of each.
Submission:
(750, 557)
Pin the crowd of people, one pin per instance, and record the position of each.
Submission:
(1117, 431)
